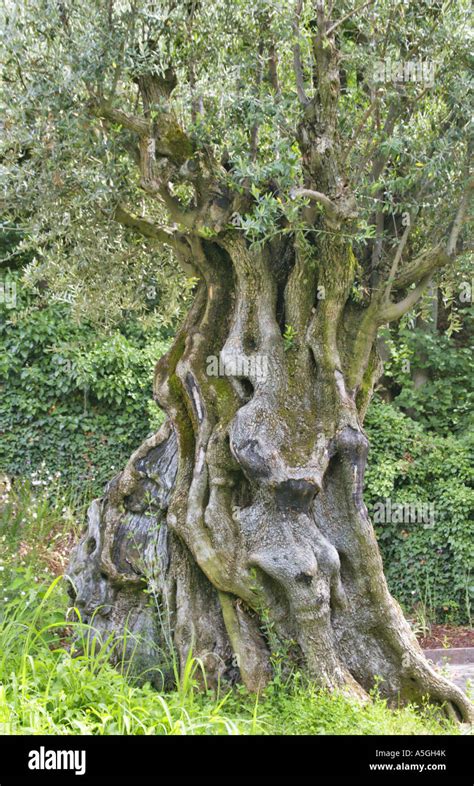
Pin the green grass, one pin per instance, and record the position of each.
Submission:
(50, 685)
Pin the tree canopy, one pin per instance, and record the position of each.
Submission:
(223, 122)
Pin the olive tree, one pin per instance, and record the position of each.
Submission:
(303, 166)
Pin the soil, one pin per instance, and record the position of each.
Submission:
(443, 636)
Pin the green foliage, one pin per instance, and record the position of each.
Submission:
(59, 160)
(74, 399)
(445, 401)
(50, 686)
(297, 707)
(289, 337)
(428, 566)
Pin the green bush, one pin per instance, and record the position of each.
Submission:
(445, 402)
(426, 566)
(71, 398)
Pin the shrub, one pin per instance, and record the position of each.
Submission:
(426, 566)
(444, 403)
(78, 400)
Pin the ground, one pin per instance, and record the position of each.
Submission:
(447, 636)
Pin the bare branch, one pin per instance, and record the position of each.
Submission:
(143, 226)
(396, 310)
(139, 125)
(146, 228)
(434, 258)
(426, 263)
(347, 16)
(423, 267)
(316, 196)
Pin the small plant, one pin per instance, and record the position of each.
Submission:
(289, 337)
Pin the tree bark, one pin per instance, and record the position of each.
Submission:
(240, 527)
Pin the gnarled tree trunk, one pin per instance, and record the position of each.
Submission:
(243, 516)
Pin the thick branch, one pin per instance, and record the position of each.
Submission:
(316, 196)
(318, 136)
(139, 125)
(426, 263)
(395, 311)
(143, 226)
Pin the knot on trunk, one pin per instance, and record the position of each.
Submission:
(296, 494)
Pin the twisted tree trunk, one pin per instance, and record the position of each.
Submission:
(243, 516)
